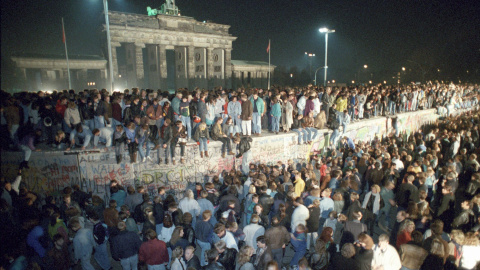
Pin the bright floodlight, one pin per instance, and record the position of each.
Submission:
(323, 30)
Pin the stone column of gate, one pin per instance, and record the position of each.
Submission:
(210, 69)
(114, 62)
(228, 68)
(139, 64)
(191, 67)
(162, 58)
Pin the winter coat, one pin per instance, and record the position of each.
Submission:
(154, 114)
(247, 110)
(201, 134)
(244, 146)
(217, 132)
(72, 116)
(260, 105)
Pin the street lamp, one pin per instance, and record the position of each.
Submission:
(326, 31)
(109, 44)
(365, 66)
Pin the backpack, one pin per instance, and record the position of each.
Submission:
(100, 233)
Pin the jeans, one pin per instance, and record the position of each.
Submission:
(391, 107)
(187, 123)
(275, 123)
(298, 255)
(226, 144)
(89, 123)
(256, 123)
(204, 246)
(26, 151)
(335, 135)
(141, 151)
(302, 135)
(203, 144)
(172, 150)
(115, 123)
(232, 130)
(247, 127)
(101, 256)
(65, 127)
(310, 131)
(351, 112)
(99, 121)
(130, 263)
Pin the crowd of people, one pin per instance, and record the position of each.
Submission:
(396, 202)
(142, 121)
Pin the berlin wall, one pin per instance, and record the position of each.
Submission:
(51, 171)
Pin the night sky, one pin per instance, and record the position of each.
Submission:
(386, 35)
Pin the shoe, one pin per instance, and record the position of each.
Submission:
(144, 159)
(166, 161)
(201, 154)
(258, 134)
(149, 158)
(173, 162)
(223, 155)
(159, 161)
(206, 154)
(276, 132)
(182, 160)
(231, 153)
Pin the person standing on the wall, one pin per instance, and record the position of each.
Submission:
(258, 111)
(246, 116)
(27, 145)
(99, 111)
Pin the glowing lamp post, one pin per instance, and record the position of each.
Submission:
(326, 31)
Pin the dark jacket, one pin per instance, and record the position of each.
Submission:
(340, 262)
(189, 234)
(213, 266)
(125, 245)
(202, 110)
(244, 145)
(101, 109)
(266, 201)
(363, 259)
(86, 111)
(167, 135)
(227, 258)
(247, 110)
(194, 262)
(201, 134)
(407, 193)
(313, 222)
(216, 132)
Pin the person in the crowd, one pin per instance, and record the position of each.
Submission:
(178, 263)
(125, 246)
(153, 252)
(385, 256)
(243, 259)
